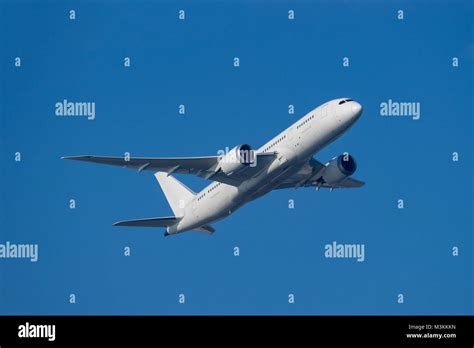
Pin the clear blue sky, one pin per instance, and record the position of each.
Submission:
(189, 62)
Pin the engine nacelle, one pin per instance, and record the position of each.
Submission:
(339, 168)
(237, 159)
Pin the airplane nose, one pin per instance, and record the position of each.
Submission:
(356, 109)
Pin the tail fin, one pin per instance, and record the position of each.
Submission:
(177, 194)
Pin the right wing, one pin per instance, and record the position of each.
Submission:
(346, 183)
(350, 183)
(310, 175)
(204, 167)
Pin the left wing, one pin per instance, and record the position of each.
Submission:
(204, 167)
(310, 175)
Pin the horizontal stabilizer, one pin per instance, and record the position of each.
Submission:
(150, 222)
(206, 229)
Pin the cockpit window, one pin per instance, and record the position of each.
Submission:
(344, 101)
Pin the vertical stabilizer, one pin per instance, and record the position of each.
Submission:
(177, 194)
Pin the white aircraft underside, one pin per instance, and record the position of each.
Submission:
(244, 174)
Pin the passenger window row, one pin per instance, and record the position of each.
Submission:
(274, 143)
(305, 121)
(214, 187)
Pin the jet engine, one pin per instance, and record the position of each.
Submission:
(339, 168)
(237, 159)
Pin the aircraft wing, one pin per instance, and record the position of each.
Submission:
(204, 167)
(309, 176)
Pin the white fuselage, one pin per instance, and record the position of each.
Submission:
(294, 146)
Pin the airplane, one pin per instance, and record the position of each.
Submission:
(243, 174)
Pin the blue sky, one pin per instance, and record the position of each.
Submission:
(190, 62)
